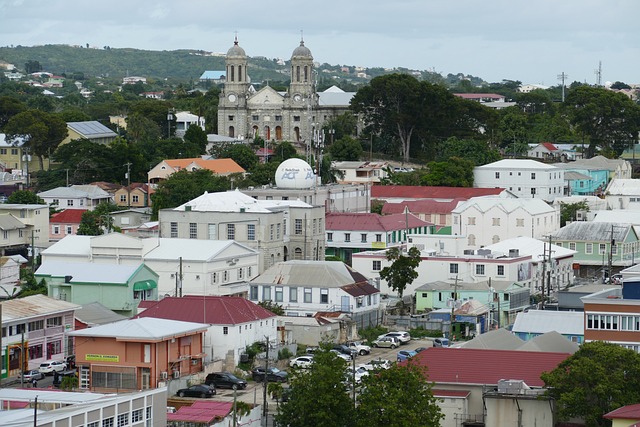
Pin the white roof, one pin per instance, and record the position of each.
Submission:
(4, 143)
(335, 96)
(517, 164)
(82, 272)
(624, 187)
(530, 246)
(34, 305)
(541, 321)
(235, 201)
(49, 396)
(484, 204)
(148, 328)
(618, 215)
(76, 191)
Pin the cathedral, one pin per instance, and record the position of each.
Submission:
(291, 116)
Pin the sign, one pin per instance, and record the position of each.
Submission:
(378, 245)
(102, 357)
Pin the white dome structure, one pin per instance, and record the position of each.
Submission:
(295, 174)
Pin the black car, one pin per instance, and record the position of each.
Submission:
(200, 390)
(346, 350)
(225, 380)
(273, 375)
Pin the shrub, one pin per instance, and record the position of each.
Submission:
(284, 353)
(371, 334)
(422, 332)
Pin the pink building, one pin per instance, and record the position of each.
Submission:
(64, 223)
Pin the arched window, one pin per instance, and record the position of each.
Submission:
(278, 133)
(239, 73)
(297, 253)
(232, 132)
(472, 240)
(233, 73)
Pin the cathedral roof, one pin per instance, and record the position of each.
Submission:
(236, 50)
(301, 51)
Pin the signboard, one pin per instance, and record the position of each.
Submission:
(102, 357)
(378, 245)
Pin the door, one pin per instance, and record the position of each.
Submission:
(345, 306)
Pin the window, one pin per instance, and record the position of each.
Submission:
(307, 295)
(588, 249)
(214, 277)
(266, 293)
(279, 294)
(329, 237)
(123, 197)
(35, 352)
(136, 416)
(174, 229)
(519, 222)
(496, 222)
(240, 273)
(5, 234)
(54, 321)
(480, 269)
(278, 231)
(225, 276)
(272, 229)
(497, 175)
(378, 237)
(347, 237)
(602, 248)
(69, 229)
(69, 202)
(123, 420)
(533, 191)
(251, 232)
(315, 224)
(293, 294)
(278, 118)
(453, 268)
(193, 230)
(324, 296)
(572, 246)
(533, 175)
(36, 325)
(107, 422)
(471, 220)
(298, 226)
(614, 249)
(230, 118)
(296, 118)
(471, 240)
(377, 266)
(253, 293)
(231, 231)
(55, 202)
(501, 270)
(255, 117)
(135, 198)
(56, 229)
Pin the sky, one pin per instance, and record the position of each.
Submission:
(532, 41)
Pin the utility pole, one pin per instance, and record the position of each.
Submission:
(128, 165)
(544, 272)
(610, 261)
(598, 73)
(453, 306)
(22, 358)
(562, 77)
(265, 408)
(180, 277)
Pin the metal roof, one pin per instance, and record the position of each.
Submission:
(94, 314)
(521, 164)
(91, 129)
(89, 272)
(10, 222)
(484, 204)
(33, 306)
(588, 231)
(329, 274)
(541, 321)
(147, 328)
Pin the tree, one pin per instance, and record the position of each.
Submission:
(97, 221)
(242, 154)
(456, 172)
(32, 66)
(42, 131)
(343, 125)
(9, 107)
(196, 136)
(402, 271)
(475, 151)
(346, 149)
(25, 197)
(382, 402)
(599, 378)
(569, 211)
(322, 383)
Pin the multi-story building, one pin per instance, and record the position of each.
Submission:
(355, 172)
(35, 219)
(75, 197)
(65, 223)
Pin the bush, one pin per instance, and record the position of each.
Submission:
(372, 333)
(284, 353)
(422, 332)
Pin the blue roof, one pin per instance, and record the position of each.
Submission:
(212, 75)
(91, 129)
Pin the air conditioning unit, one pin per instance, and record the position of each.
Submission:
(176, 374)
(163, 375)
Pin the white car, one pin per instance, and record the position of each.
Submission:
(301, 362)
(359, 347)
(346, 357)
(376, 364)
(402, 336)
(51, 366)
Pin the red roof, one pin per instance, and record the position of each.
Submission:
(421, 206)
(549, 146)
(67, 216)
(360, 289)
(482, 366)
(423, 192)
(214, 310)
(371, 222)
(450, 393)
(629, 412)
(479, 95)
(201, 412)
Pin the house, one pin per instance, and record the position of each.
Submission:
(75, 197)
(583, 180)
(11, 155)
(184, 120)
(434, 211)
(184, 266)
(65, 223)
(618, 168)
(625, 416)
(528, 179)
(544, 151)
(401, 193)
(533, 323)
(482, 97)
(279, 229)
(361, 172)
(599, 245)
(116, 286)
(487, 220)
(490, 399)
(16, 236)
(136, 195)
(234, 323)
(36, 219)
(137, 354)
(349, 233)
(304, 288)
(130, 219)
(95, 314)
(623, 194)
(40, 323)
(165, 168)
(94, 131)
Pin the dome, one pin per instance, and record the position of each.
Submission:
(301, 51)
(236, 50)
(295, 174)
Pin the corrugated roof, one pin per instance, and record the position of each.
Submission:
(148, 328)
(618, 215)
(484, 204)
(89, 272)
(95, 314)
(91, 129)
(372, 221)
(76, 191)
(499, 285)
(514, 164)
(420, 192)
(335, 96)
(213, 310)
(630, 412)
(593, 231)
(330, 274)
(360, 289)
(10, 222)
(205, 412)
(550, 341)
(461, 365)
(68, 216)
(541, 321)
(34, 305)
(497, 339)
(421, 206)
(624, 187)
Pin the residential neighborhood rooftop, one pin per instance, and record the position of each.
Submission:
(424, 192)
(147, 328)
(372, 221)
(32, 306)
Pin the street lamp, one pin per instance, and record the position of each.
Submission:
(331, 133)
(170, 117)
(318, 142)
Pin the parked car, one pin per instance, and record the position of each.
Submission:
(312, 349)
(419, 349)
(376, 364)
(357, 374)
(352, 352)
(441, 342)
(402, 336)
(388, 342)
(405, 355)
(31, 374)
(272, 374)
(345, 357)
(359, 347)
(301, 362)
(49, 366)
(200, 390)
(225, 380)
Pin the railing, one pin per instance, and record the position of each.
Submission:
(54, 330)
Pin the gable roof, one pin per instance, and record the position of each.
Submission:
(593, 231)
(91, 129)
(10, 222)
(421, 206)
(213, 310)
(631, 412)
(149, 328)
(89, 272)
(33, 305)
(624, 187)
(550, 341)
(484, 204)
(68, 216)
(518, 164)
(549, 146)
(94, 314)
(460, 365)
(422, 192)
(497, 339)
(76, 191)
(214, 165)
(372, 221)
(541, 321)
(332, 274)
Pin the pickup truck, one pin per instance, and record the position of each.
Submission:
(359, 347)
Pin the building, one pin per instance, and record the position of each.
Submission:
(401, 193)
(349, 233)
(95, 314)
(623, 194)
(184, 120)
(94, 131)
(528, 179)
(624, 416)
(618, 168)
(488, 220)
(137, 354)
(136, 195)
(482, 97)
(433, 211)
(166, 168)
(361, 172)
(234, 323)
(65, 223)
(75, 197)
(184, 266)
(584, 181)
(131, 219)
(10, 267)
(531, 86)
(534, 323)
(544, 151)
(34, 217)
(271, 115)
(11, 153)
(116, 286)
(40, 322)
(278, 229)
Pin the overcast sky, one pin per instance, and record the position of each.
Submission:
(528, 40)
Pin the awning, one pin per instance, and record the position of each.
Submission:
(145, 285)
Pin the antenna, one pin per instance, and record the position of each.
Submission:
(598, 73)
(562, 77)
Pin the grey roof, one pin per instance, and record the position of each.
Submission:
(94, 314)
(142, 328)
(91, 129)
(590, 289)
(499, 285)
(498, 339)
(76, 191)
(550, 341)
(542, 321)
(573, 175)
(83, 272)
(10, 222)
(34, 305)
(301, 51)
(335, 96)
(588, 231)
(331, 274)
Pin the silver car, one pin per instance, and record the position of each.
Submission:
(388, 342)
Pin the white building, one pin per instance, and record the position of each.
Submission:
(524, 178)
(75, 197)
(184, 120)
(487, 220)
(361, 172)
(623, 194)
(184, 266)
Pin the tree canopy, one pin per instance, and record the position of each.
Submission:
(25, 197)
(402, 271)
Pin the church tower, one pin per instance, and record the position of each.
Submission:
(232, 110)
(302, 78)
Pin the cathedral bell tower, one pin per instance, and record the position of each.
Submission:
(232, 109)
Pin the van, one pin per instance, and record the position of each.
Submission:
(441, 342)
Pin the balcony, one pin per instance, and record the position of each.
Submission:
(55, 330)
